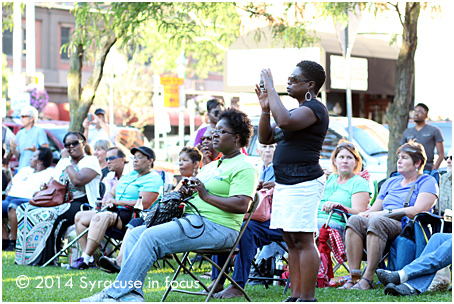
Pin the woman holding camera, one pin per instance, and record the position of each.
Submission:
(300, 180)
(222, 192)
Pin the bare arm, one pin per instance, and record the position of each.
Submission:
(238, 204)
(359, 204)
(148, 198)
(81, 178)
(441, 153)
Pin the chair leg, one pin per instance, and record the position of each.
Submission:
(177, 272)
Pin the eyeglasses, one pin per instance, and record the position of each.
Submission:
(221, 132)
(448, 157)
(346, 145)
(203, 138)
(25, 116)
(111, 158)
(140, 157)
(297, 78)
(419, 112)
(74, 144)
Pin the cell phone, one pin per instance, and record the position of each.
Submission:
(216, 113)
(90, 117)
(262, 84)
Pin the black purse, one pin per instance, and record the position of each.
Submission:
(170, 208)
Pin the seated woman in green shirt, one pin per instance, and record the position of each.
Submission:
(344, 187)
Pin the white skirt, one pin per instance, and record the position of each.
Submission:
(295, 207)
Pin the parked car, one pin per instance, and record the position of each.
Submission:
(370, 138)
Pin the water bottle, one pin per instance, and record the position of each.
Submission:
(139, 205)
(98, 203)
(279, 263)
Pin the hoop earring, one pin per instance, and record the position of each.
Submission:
(310, 96)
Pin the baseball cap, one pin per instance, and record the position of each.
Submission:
(145, 150)
(100, 111)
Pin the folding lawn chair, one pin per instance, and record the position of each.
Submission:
(205, 253)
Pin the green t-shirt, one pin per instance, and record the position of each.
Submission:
(234, 176)
(341, 194)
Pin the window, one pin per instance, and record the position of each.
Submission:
(8, 42)
(65, 35)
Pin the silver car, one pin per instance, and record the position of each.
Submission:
(370, 138)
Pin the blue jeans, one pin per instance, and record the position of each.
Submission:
(436, 255)
(146, 245)
(256, 235)
(12, 202)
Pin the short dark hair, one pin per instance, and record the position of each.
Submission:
(78, 134)
(313, 71)
(193, 153)
(422, 105)
(120, 153)
(45, 155)
(213, 103)
(240, 124)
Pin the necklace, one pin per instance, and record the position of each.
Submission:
(223, 157)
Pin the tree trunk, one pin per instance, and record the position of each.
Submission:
(80, 101)
(398, 112)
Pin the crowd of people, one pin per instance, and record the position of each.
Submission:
(105, 188)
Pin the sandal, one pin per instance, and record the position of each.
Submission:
(349, 281)
(358, 285)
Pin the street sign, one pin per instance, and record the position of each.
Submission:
(172, 81)
(171, 96)
(19, 101)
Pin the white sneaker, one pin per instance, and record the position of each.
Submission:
(99, 297)
(130, 297)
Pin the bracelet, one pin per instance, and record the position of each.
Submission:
(266, 113)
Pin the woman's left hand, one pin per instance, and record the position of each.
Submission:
(197, 186)
(328, 206)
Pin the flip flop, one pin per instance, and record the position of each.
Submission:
(357, 286)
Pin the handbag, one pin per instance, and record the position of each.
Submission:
(263, 211)
(55, 195)
(171, 208)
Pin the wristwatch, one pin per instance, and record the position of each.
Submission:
(390, 211)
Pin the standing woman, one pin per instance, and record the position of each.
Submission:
(300, 180)
(83, 173)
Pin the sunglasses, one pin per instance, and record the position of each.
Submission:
(203, 138)
(25, 116)
(346, 145)
(221, 132)
(296, 79)
(111, 158)
(409, 150)
(74, 143)
(448, 157)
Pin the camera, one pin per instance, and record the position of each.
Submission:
(262, 84)
(190, 183)
(216, 113)
(90, 117)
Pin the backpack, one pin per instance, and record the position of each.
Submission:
(410, 243)
(34, 226)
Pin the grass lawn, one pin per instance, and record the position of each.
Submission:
(54, 284)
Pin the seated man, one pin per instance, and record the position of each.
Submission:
(416, 277)
(143, 181)
(257, 234)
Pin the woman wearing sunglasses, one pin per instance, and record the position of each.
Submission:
(299, 134)
(344, 187)
(83, 174)
(382, 222)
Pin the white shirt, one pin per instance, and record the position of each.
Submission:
(94, 135)
(26, 181)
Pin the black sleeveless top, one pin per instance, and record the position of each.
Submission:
(297, 154)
